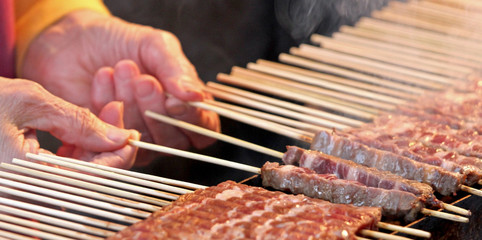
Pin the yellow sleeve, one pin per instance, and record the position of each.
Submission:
(33, 16)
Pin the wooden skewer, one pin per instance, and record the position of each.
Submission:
(10, 235)
(380, 235)
(319, 66)
(63, 214)
(330, 99)
(213, 134)
(445, 216)
(365, 65)
(295, 107)
(408, 50)
(310, 82)
(261, 123)
(84, 184)
(69, 205)
(471, 190)
(32, 232)
(47, 228)
(421, 35)
(456, 209)
(407, 42)
(130, 173)
(76, 198)
(56, 221)
(396, 228)
(195, 156)
(416, 22)
(295, 96)
(325, 124)
(428, 21)
(91, 178)
(396, 58)
(85, 168)
(332, 78)
(270, 117)
(95, 195)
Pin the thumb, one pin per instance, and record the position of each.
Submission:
(72, 124)
(113, 113)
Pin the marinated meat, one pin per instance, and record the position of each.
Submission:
(236, 211)
(443, 181)
(344, 169)
(394, 203)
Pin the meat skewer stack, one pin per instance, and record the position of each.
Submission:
(328, 178)
(227, 210)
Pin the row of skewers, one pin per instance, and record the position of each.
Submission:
(361, 74)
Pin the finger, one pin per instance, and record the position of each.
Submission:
(122, 158)
(102, 91)
(150, 96)
(196, 116)
(165, 59)
(67, 122)
(113, 113)
(125, 73)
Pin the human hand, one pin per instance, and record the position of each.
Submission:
(27, 107)
(66, 56)
(141, 92)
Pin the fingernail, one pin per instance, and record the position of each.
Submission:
(175, 107)
(144, 88)
(118, 135)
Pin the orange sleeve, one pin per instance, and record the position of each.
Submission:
(33, 16)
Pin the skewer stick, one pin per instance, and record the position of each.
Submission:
(130, 173)
(69, 205)
(83, 184)
(261, 123)
(32, 232)
(409, 50)
(295, 107)
(414, 62)
(380, 235)
(135, 206)
(56, 221)
(10, 235)
(310, 81)
(319, 66)
(47, 228)
(76, 198)
(63, 214)
(90, 178)
(271, 117)
(456, 209)
(305, 118)
(445, 216)
(471, 190)
(213, 134)
(332, 78)
(405, 75)
(411, 231)
(82, 167)
(195, 156)
(407, 42)
(294, 96)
